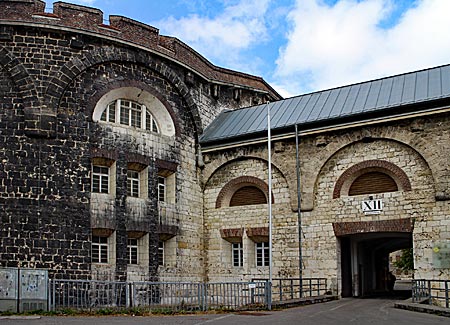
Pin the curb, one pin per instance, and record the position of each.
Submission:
(422, 308)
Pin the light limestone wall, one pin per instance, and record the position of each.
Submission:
(418, 147)
(219, 258)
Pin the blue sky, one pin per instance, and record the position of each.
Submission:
(299, 46)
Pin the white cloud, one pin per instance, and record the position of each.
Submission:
(336, 45)
(224, 36)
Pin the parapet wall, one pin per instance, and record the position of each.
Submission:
(90, 20)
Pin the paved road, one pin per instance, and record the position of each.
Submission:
(345, 311)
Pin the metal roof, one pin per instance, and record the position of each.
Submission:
(381, 96)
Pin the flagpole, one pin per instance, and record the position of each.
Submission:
(269, 149)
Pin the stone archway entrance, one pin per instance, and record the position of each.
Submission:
(364, 253)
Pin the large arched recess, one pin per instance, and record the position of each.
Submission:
(326, 164)
(78, 65)
(275, 171)
(27, 89)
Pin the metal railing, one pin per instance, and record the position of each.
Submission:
(435, 292)
(174, 296)
(295, 288)
(87, 295)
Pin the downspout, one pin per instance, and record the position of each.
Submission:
(299, 216)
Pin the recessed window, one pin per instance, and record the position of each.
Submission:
(248, 195)
(262, 254)
(161, 189)
(133, 183)
(132, 251)
(372, 183)
(237, 254)
(129, 113)
(99, 249)
(100, 179)
(161, 253)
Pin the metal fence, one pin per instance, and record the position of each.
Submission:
(295, 288)
(435, 292)
(174, 296)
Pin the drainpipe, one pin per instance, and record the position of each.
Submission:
(299, 216)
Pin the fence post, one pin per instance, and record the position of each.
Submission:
(53, 295)
(269, 295)
(429, 293)
(446, 294)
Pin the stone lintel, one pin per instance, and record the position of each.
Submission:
(360, 227)
(258, 234)
(232, 235)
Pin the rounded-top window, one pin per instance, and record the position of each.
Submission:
(373, 183)
(248, 195)
(129, 113)
(134, 107)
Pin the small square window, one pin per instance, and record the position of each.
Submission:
(99, 249)
(100, 179)
(132, 251)
(262, 254)
(133, 183)
(238, 254)
(161, 253)
(161, 189)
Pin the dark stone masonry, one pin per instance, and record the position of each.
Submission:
(54, 67)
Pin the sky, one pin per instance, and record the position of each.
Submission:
(301, 46)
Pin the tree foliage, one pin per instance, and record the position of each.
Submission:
(406, 261)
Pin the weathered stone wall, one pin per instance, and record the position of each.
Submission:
(418, 147)
(219, 265)
(54, 68)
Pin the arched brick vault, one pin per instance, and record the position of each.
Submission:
(420, 147)
(228, 190)
(21, 79)
(399, 175)
(219, 164)
(78, 65)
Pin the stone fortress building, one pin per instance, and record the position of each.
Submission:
(126, 155)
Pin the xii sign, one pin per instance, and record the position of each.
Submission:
(372, 206)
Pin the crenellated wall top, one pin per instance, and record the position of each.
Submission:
(90, 20)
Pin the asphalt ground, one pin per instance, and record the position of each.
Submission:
(339, 312)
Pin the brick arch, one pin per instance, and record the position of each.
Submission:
(392, 170)
(78, 65)
(27, 89)
(225, 194)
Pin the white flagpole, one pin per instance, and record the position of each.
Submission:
(269, 197)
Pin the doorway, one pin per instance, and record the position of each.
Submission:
(365, 261)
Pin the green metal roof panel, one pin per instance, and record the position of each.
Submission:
(328, 105)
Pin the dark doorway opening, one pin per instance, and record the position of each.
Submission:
(365, 262)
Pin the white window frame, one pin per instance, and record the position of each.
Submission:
(123, 115)
(262, 254)
(237, 254)
(102, 176)
(161, 254)
(133, 183)
(162, 193)
(100, 246)
(133, 251)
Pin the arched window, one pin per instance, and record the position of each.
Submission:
(248, 195)
(134, 107)
(129, 113)
(371, 177)
(372, 183)
(243, 190)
